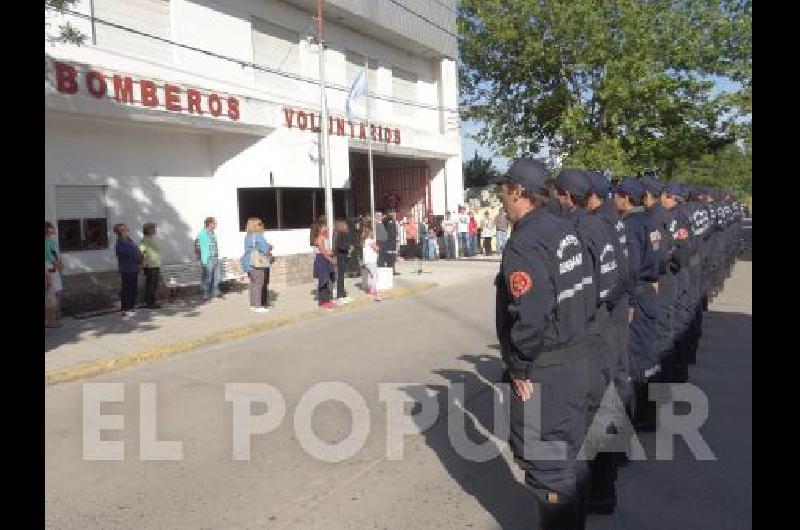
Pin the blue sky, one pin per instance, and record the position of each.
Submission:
(469, 146)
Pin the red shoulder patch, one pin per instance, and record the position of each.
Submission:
(520, 283)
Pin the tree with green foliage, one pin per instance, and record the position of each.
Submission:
(66, 31)
(621, 85)
(478, 171)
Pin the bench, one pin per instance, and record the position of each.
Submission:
(180, 275)
(231, 270)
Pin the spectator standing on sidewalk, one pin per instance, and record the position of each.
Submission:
(413, 237)
(128, 258)
(151, 260)
(501, 228)
(390, 222)
(380, 237)
(449, 229)
(324, 266)
(433, 244)
(472, 228)
(487, 233)
(50, 320)
(256, 263)
(53, 265)
(370, 255)
(344, 247)
(207, 251)
(463, 232)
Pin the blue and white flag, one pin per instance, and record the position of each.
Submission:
(357, 89)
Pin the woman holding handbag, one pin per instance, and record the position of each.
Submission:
(53, 266)
(256, 262)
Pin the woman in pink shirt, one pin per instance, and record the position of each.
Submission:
(472, 230)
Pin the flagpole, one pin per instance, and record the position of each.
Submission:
(369, 146)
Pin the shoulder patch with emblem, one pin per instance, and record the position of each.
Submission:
(520, 283)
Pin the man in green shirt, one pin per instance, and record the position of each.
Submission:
(208, 253)
(151, 261)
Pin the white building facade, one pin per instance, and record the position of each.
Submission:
(176, 110)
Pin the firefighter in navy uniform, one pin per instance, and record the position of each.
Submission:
(643, 304)
(541, 327)
(665, 223)
(672, 197)
(604, 208)
(701, 226)
(573, 188)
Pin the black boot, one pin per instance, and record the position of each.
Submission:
(559, 513)
(603, 492)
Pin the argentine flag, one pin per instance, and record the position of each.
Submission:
(357, 89)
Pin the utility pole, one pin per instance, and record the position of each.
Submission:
(325, 169)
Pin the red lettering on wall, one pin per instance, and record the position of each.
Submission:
(397, 136)
(330, 124)
(123, 89)
(96, 83)
(372, 132)
(352, 129)
(149, 96)
(302, 120)
(233, 108)
(340, 126)
(362, 132)
(288, 114)
(66, 78)
(314, 125)
(214, 105)
(193, 101)
(172, 98)
(387, 135)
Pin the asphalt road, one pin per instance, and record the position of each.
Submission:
(427, 343)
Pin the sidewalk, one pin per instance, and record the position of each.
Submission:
(87, 347)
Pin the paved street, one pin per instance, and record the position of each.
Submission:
(429, 340)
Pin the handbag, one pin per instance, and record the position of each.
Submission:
(258, 259)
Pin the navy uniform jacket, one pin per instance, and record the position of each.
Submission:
(607, 212)
(663, 242)
(642, 255)
(540, 311)
(599, 242)
(681, 229)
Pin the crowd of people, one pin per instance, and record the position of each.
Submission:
(600, 288)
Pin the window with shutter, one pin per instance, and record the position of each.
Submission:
(81, 218)
(276, 47)
(355, 62)
(148, 16)
(404, 86)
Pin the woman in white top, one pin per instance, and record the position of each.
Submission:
(487, 233)
(370, 254)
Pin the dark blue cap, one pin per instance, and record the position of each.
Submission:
(600, 184)
(652, 184)
(575, 181)
(631, 187)
(529, 173)
(675, 189)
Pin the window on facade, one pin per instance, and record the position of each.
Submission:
(355, 62)
(258, 202)
(148, 16)
(288, 208)
(277, 47)
(404, 86)
(81, 218)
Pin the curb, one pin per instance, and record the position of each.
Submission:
(103, 366)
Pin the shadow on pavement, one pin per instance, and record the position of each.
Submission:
(491, 483)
